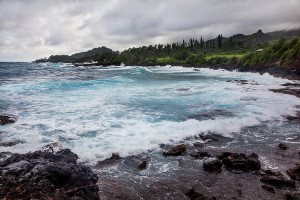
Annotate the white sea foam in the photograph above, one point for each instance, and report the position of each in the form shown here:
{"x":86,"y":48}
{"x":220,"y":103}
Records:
{"x":126,"y":115}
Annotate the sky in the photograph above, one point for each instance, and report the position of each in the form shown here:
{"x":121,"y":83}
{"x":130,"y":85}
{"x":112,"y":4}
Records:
{"x":31,"y":29}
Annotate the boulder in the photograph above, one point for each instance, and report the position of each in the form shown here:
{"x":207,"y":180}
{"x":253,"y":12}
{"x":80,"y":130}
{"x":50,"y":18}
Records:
{"x":276,"y":179}
{"x":45,"y":175}
{"x":6,"y":120}
{"x":294,"y":173}
{"x":240,"y":161}
{"x":176,"y":151}
{"x":213,"y":165}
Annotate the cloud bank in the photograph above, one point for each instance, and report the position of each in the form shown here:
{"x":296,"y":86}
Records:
{"x":31,"y":29}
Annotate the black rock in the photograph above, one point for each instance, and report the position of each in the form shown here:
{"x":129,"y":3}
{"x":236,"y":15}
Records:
{"x":282,"y":146}
{"x":200,"y":154}
{"x":194,"y":195}
{"x":198,"y":144}
{"x":268,"y":188}
{"x":213,"y":165}
{"x":115,"y":156}
{"x":176,"y":151}
{"x":143,"y":165}
{"x":294,"y":173}
{"x":44,"y":175}
{"x":276,"y":179}
{"x":240,"y":162}
{"x":6,"y":120}
{"x":292,"y":196}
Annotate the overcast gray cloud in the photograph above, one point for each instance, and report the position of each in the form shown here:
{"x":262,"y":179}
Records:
{"x":31,"y":29}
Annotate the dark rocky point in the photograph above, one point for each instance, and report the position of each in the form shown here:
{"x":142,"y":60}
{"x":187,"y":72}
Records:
{"x":276,"y":179}
{"x":213,"y":165}
{"x":240,"y":162}
{"x":194,"y":195}
{"x":282,"y":146}
{"x":294,"y":173}
{"x":6,"y":120}
{"x":176,"y":151}
{"x":44,"y":175}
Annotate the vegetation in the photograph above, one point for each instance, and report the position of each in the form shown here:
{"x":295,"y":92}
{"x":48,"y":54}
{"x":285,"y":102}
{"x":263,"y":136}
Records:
{"x":252,"y":50}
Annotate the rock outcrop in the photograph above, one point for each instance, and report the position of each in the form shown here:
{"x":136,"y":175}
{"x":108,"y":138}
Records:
{"x":45,"y":175}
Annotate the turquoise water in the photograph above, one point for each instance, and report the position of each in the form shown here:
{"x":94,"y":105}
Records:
{"x":97,"y":111}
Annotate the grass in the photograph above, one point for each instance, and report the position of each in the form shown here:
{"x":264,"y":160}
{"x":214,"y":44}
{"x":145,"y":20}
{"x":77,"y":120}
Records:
{"x":164,"y":60}
{"x":224,"y":55}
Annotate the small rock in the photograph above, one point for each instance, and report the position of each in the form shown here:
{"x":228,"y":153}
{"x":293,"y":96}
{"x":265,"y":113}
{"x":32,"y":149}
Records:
{"x":115,"y":156}
{"x":213,"y":165}
{"x":268,"y":188}
{"x":294,"y":173}
{"x":194,"y":195}
{"x":200,"y":154}
{"x":143,"y":165}
{"x":282,"y":146}
{"x":276,"y":179}
{"x":241,"y":162}
{"x":6,"y":120}
{"x":176,"y":151}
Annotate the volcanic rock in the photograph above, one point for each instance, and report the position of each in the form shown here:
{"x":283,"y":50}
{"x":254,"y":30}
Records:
{"x":276,"y":179}
{"x":282,"y":146}
{"x":213,"y":165}
{"x":143,"y":165}
{"x":200,"y":154}
{"x":294,"y":173}
{"x":176,"y":151}
{"x":240,"y":162}
{"x":6,"y":120}
{"x":45,"y":175}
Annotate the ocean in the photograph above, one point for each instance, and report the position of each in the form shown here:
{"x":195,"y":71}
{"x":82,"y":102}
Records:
{"x":96,"y":111}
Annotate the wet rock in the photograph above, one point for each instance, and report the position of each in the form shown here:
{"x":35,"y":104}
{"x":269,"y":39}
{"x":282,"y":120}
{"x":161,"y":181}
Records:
{"x":282,"y":146}
{"x":6,"y":120}
{"x":110,"y":161}
{"x":143,"y":165}
{"x":52,"y":147}
{"x":115,"y":156}
{"x":176,"y":151}
{"x":240,"y":162}
{"x":292,"y":196}
{"x":200,"y":154}
{"x":291,"y":118}
{"x":10,"y":144}
{"x":44,"y":175}
{"x":294,"y":173}
{"x":194,"y":195}
{"x":213,"y":165}
{"x":199,"y":145}
{"x":209,"y":137}
{"x":241,"y":82}
{"x":276,"y":179}
{"x":268,"y":188}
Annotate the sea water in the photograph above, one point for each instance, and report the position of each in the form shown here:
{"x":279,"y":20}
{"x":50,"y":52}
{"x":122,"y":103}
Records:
{"x":96,"y":111}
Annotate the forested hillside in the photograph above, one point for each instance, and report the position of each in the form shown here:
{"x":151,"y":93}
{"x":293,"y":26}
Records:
{"x":257,"y":49}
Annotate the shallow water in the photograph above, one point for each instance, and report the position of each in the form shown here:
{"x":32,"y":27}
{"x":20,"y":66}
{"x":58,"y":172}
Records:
{"x":97,"y":111}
